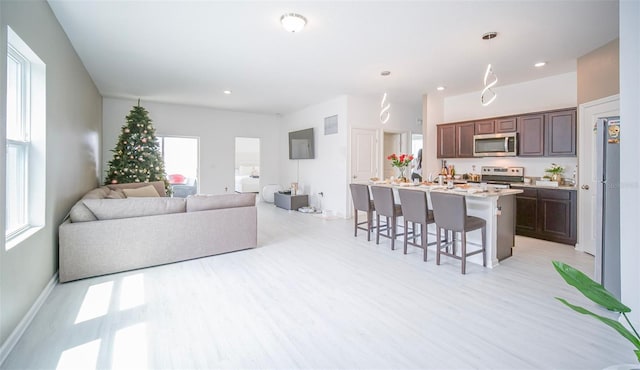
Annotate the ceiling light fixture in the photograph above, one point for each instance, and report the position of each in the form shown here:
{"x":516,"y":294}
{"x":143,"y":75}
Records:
{"x":440,"y":88}
{"x":227,"y":92}
{"x":487,"y":96}
{"x":293,"y":22}
{"x":384,"y":104}
{"x":540,"y":64}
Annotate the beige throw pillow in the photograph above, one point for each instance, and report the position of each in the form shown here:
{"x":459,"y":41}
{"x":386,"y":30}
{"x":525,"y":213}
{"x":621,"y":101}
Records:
{"x":145,"y":191}
{"x":115,"y":194}
{"x":159,"y":185}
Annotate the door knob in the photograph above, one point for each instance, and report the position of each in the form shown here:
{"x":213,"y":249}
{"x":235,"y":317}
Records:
{"x":585,"y":187}
{"x":355,"y":176}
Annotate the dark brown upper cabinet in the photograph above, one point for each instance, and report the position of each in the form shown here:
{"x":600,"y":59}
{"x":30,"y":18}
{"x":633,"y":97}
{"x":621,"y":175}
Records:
{"x":560,"y":134}
{"x":507,"y":124}
{"x":540,"y":134}
{"x":446,"y":141}
{"x":531,"y":135}
{"x":464,"y":136}
{"x":485,"y":127}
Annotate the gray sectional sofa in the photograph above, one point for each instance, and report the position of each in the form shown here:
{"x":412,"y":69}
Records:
{"x":107,"y":232}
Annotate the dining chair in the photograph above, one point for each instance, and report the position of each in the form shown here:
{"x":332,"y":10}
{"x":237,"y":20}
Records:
{"x":415,"y":210}
{"x":450,"y":213}
{"x":385,"y":204}
{"x":362,"y":202}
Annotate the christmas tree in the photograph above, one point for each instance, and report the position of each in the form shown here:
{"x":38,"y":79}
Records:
{"x":137,"y":157}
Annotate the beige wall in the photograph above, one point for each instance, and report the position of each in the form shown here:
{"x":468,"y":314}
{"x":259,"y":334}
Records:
{"x":599,"y":73}
{"x":73,"y":125}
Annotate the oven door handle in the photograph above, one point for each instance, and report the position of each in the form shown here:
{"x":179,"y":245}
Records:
{"x":506,"y":144}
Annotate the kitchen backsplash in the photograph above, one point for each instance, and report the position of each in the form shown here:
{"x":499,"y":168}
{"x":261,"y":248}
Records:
{"x":533,"y":167}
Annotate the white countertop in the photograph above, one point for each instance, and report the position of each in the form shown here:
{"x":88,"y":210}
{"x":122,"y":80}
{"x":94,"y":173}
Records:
{"x":470,"y":192}
{"x":532,"y":185}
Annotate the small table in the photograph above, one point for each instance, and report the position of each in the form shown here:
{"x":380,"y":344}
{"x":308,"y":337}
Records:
{"x":288,"y":201}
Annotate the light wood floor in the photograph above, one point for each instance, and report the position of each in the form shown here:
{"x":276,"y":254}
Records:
{"x":313,"y":296}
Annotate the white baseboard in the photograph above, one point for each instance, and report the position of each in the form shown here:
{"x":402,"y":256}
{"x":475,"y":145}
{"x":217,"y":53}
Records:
{"x":13,"y":339}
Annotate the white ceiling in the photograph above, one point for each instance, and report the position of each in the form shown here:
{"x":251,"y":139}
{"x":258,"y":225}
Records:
{"x":188,"y":52}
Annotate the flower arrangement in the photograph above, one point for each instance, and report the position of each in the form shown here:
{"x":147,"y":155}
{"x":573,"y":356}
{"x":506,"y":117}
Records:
{"x":400,"y":161}
{"x":555,"y":169}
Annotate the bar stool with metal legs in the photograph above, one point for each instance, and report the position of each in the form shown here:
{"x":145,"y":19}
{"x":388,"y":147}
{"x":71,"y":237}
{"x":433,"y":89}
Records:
{"x":362,"y":202}
{"x":384,"y":202}
{"x":450,"y":213}
{"x":415,"y":209}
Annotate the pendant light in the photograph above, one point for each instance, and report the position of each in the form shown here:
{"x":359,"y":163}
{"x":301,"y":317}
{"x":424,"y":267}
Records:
{"x":384,"y":103}
{"x":487,"y":96}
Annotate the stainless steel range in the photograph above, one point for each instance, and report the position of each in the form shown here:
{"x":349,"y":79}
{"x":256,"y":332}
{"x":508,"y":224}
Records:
{"x":502,"y":175}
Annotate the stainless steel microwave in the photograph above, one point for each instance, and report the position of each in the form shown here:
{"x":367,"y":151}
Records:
{"x":495,"y":145}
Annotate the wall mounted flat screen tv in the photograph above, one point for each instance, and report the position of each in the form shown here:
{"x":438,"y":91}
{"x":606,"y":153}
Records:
{"x":301,"y":144}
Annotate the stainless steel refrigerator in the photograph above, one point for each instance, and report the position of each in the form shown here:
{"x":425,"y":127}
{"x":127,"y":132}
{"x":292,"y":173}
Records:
{"x":607,"y":268}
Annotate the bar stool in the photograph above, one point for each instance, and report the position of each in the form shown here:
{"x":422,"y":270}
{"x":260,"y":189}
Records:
{"x":362,"y":202}
{"x":415,"y":209}
{"x":450,"y":213}
{"x":386,"y":206}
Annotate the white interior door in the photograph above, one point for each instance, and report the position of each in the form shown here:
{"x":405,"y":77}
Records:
{"x":588,"y":113}
{"x":363,"y":154}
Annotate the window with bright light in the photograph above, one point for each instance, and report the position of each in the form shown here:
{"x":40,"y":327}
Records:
{"x":180,"y":155}
{"x":17,"y":141}
{"x":25,"y":133}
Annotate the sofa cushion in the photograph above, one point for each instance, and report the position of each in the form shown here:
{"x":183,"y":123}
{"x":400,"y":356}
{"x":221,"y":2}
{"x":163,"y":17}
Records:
{"x":145,"y":191}
{"x":159,"y":185}
{"x":80,"y":213}
{"x":97,"y":193}
{"x":109,"y":209}
{"x":206,"y":202}
{"x":116,"y":194}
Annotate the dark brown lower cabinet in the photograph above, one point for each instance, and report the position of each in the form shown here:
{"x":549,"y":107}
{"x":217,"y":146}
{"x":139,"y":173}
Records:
{"x":548,"y":214}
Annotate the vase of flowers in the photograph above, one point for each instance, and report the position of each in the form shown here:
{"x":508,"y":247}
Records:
{"x":555,"y":172}
{"x":401,"y":162}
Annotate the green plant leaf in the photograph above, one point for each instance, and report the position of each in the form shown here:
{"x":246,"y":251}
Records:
{"x":592,"y":290}
{"x":611,"y":323}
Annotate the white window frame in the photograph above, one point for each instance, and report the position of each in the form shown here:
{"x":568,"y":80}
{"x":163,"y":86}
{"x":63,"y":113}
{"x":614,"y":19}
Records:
{"x":29,"y":142}
{"x":21,"y":143}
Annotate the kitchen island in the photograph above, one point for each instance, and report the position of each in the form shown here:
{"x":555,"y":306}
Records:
{"x":497,"y":207}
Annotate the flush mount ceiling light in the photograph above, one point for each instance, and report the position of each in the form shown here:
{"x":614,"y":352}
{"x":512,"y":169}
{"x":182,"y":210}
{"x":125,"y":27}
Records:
{"x":227,"y":92}
{"x":440,"y":88}
{"x":293,"y":22}
{"x":384,"y":104}
{"x":540,"y":64}
{"x":487,"y":96}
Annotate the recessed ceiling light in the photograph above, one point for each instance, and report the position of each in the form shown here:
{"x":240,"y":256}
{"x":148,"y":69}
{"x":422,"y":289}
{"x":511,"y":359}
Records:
{"x":440,"y":88}
{"x":293,"y":22}
{"x":540,"y":64}
{"x":227,"y":92}
{"x":385,"y":73}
